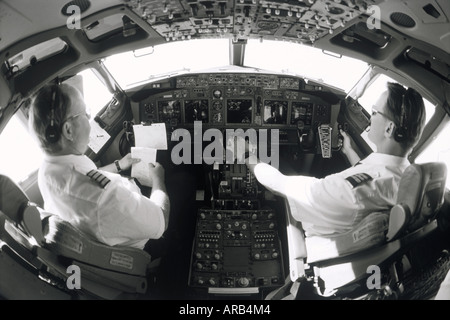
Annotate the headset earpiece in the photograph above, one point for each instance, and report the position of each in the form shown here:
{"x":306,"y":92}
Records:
{"x":400,"y":133}
{"x":53,"y":131}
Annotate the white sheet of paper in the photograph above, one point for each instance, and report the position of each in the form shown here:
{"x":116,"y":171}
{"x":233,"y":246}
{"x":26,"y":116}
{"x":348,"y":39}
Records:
{"x":153,"y":136}
{"x":98,"y":137}
{"x":140,"y":170}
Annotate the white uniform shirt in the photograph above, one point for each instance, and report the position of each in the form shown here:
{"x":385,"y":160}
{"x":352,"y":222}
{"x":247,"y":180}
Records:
{"x":333,"y":204}
{"x":117,"y":214}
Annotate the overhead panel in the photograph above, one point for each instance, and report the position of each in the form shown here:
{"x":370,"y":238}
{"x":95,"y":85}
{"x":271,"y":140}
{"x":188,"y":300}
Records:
{"x":303,"y":21}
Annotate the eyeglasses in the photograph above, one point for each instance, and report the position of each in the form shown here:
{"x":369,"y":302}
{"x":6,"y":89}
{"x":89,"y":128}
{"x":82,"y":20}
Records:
{"x":375,"y":111}
{"x":77,"y":115}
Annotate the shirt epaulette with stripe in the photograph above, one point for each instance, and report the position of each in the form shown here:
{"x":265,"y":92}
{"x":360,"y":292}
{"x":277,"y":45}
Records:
{"x":99,"y":178}
{"x":358,"y":179}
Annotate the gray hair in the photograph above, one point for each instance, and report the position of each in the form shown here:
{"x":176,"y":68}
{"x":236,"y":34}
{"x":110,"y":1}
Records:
{"x":40,"y":114}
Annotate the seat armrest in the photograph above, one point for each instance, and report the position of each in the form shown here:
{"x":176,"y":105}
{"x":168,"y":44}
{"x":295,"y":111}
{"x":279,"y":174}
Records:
{"x":368,"y":233}
{"x":296,"y":245}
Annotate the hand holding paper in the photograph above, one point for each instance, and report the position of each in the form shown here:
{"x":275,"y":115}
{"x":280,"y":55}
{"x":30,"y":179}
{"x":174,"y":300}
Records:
{"x":148,"y":140}
{"x":140,"y":170}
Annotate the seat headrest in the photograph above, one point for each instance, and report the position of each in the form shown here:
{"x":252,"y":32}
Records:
{"x":13,"y":199}
{"x":422,"y":189}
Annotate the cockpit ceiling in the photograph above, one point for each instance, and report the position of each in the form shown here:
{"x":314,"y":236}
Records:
{"x":302,"y":21}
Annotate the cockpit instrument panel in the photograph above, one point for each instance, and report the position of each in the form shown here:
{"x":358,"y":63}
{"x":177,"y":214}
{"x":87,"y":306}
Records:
{"x":196,"y":110}
{"x":236,"y":100}
{"x":237,"y":245}
{"x":275,"y":112}
{"x":239,"y":111}
{"x":169,"y":112}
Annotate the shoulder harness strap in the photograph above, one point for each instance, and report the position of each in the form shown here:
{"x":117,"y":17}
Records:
{"x":99,"y":178}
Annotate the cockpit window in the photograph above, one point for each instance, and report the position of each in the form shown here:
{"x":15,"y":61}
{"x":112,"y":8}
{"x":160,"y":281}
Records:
{"x":24,"y":154}
{"x":96,"y":95}
{"x":132,"y":68}
{"x":338,"y":71}
{"x":438,"y":150}
{"x":379,"y":85}
{"x":15,"y":139}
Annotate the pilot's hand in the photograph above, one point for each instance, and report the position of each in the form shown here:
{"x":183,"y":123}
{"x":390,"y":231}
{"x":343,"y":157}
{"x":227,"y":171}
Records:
{"x":347,"y":148}
{"x":153,"y":176}
{"x":347,"y":143}
{"x":156,"y":171}
{"x":126,"y":162}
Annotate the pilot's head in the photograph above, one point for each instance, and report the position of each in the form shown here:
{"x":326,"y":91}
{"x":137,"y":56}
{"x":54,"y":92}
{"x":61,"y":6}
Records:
{"x":397,"y":121}
{"x":59,"y":120}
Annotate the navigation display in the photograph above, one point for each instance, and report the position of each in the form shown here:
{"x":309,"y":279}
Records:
{"x":275,"y":112}
{"x":302,"y":111}
{"x":196,"y":110}
{"x":239,"y":111}
{"x":169,"y":111}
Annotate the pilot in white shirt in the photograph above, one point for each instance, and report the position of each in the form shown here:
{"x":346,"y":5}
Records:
{"x":100,"y":202}
{"x":337,"y":203}
{"x":105,"y":205}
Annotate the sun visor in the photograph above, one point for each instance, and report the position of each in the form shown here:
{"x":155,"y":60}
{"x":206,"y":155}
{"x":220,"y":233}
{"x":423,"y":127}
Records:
{"x":430,"y":62}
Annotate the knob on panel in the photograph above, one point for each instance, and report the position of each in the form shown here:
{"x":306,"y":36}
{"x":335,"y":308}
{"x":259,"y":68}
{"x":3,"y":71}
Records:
{"x":243,"y":282}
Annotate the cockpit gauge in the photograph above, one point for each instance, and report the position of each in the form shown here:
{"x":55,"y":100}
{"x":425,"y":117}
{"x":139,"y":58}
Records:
{"x":217,"y":105}
{"x":217,"y":94}
{"x":217,"y":118}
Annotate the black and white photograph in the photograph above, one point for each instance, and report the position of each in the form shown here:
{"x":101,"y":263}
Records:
{"x":225,"y":158}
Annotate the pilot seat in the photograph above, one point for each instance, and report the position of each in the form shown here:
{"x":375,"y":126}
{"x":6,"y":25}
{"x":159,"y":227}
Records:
{"x":42,"y":258}
{"x":372,"y":260}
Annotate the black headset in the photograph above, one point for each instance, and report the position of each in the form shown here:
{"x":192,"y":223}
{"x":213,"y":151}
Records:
{"x":53,"y":130}
{"x":401,"y":132}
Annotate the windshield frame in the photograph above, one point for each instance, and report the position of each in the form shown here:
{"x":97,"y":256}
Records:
{"x":131,"y":70}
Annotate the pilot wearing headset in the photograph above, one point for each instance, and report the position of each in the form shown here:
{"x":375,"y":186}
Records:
{"x":338,"y":202}
{"x":99,"y":201}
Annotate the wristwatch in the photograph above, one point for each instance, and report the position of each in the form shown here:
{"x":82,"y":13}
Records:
{"x":119,"y":169}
